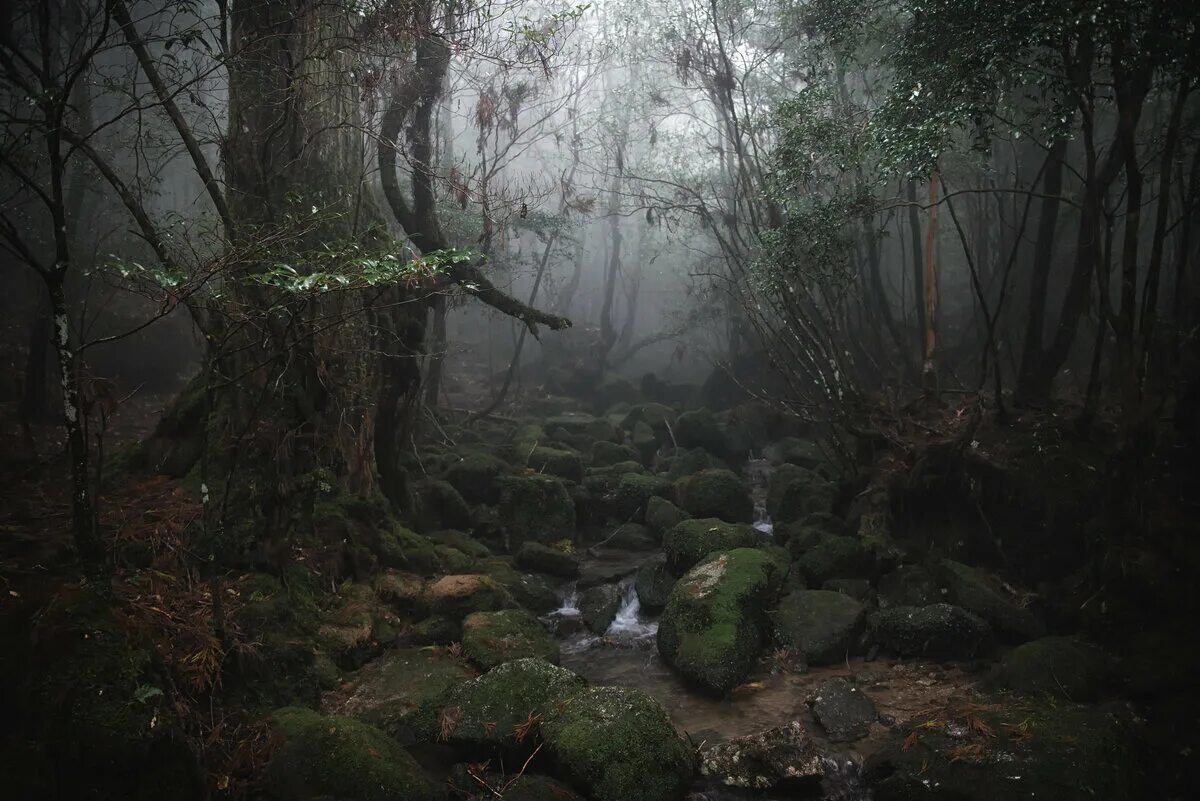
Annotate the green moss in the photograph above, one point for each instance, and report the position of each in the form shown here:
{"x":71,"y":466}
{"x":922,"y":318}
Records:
{"x":488,"y":709}
{"x":617,"y":744}
{"x":537,"y":508}
{"x":662,"y":515}
{"x":457,"y":596}
{"x":794,"y":492}
{"x":653,"y":584}
{"x":462,"y":542}
{"x":605,"y":453}
{"x":635,"y":490}
{"x":715,"y":626}
{"x":687,"y":461}
{"x":700,"y":429}
{"x":655,"y":415}
{"x":1057,"y":667}
{"x":557,"y":462}
{"x":831,"y":557}
{"x":491,"y":638}
{"x":972,"y":590}
{"x":440,"y":506}
{"x":474,"y":476}
{"x":716,"y":493}
{"x":398,"y":547}
{"x":689,"y":541}
{"x":820,"y":626}
{"x":617,"y":469}
{"x":340,"y":757}
{"x":530,"y":591}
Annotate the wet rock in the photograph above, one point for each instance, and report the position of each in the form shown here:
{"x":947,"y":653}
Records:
{"x":700,"y":429}
{"x":402,"y":692}
{"x":455,"y":597}
{"x":908,"y":585}
{"x":491,"y":638}
{"x":688,"y":542}
{"x":537,"y":508}
{"x":716,"y":493}
{"x":440,"y":506}
{"x":794,"y":492}
{"x":474,"y":476}
{"x":634,"y":493}
{"x":653,"y":584}
{"x":715,"y":624}
{"x":784,"y":757}
{"x":1057,"y":667}
{"x":1051,"y":753}
{"x":339,"y":757}
{"x":556,"y":462}
{"x":615,"y":470}
{"x":528,"y":590}
{"x":595,"y":572}
{"x":545,"y":559}
{"x":617,"y":744}
{"x":844,"y":711}
{"x":971,"y":589}
{"x":606,"y":453}
{"x":830,"y":557}
{"x":598,"y":606}
{"x":488,"y":711}
{"x":661,"y":514}
{"x":937,"y":630}
{"x":631,"y":537}
{"x":821,"y":626}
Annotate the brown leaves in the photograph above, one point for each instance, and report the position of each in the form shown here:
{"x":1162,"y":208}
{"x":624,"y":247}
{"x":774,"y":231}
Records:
{"x":967,"y":753}
{"x":522,"y":730}
{"x":447,"y":721}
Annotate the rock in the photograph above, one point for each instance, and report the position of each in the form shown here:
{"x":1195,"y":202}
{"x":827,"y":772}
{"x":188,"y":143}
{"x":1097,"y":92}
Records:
{"x":455,"y":597}
{"x":653,"y":584}
{"x":688,"y":542}
{"x":1047,"y":753}
{"x":635,"y":490}
{"x":645,"y":441}
{"x":491,"y":638}
{"x":820,"y":625}
{"x":844,"y":711}
{"x":487,"y":711}
{"x":700,"y":429}
{"x":716,"y":493}
{"x":793,"y":492}
{"x":594,"y":428}
{"x":971,"y":589}
{"x":908,"y":585}
{"x":339,"y":757}
{"x":528,"y":590}
{"x":401,"y":591}
{"x":595,"y":572}
{"x":401,"y":549}
{"x":617,"y":744}
{"x":715,"y":623}
{"x":1057,"y":667}
{"x":661,"y":514}
{"x":858,"y":589}
{"x":615,"y":470}
{"x":687,"y":461}
{"x":656,"y":416}
{"x":782,"y":757}
{"x":833,"y":557}
{"x":598,"y":606}
{"x":474,"y":476}
{"x":435,"y":630}
{"x":460,"y":541}
{"x":606,"y":453}
{"x":402,"y":692}
{"x":937,"y":630}
{"x":441,"y":506}
{"x":537,"y":508}
{"x":556,"y":462}
{"x":545,"y":559}
{"x":631,"y":537}
{"x":804,"y":453}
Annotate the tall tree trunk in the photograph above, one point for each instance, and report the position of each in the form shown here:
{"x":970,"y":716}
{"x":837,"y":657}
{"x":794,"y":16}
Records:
{"x":929,"y":279}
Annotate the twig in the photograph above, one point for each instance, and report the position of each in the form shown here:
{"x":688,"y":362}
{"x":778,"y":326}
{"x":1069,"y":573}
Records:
{"x":674,"y":441}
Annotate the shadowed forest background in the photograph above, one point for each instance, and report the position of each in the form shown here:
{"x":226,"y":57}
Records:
{"x":625,"y":400}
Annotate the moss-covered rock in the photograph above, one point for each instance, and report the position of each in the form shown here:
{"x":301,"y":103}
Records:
{"x":820,"y":626}
{"x":700,"y":429}
{"x":487,"y":711}
{"x":832,"y":557}
{"x":687,"y":461}
{"x":715,"y":624}
{"x":474,"y":476}
{"x":402,"y":692}
{"x":794,"y":492}
{"x":937,"y":630}
{"x":635,"y":491}
{"x":454,"y":597}
{"x":653,"y":584}
{"x":908,"y":585}
{"x":843,"y":710}
{"x":657,"y":416}
{"x":585,"y":425}
{"x":661,"y":514}
{"x":631,"y":537}
{"x":645,"y":441}
{"x":460,"y":541}
{"x":529,"y":590}
{"x":557,"y":462}
{"x":547,"y":559}
{"x":536,"y":508}
{"x":617,"y":744}
{"x":402,"y":549}
{"x":339,"y":757}
{"x":401,"y":591}
{"x":972,"y":590}
{"x":716,"y":493}
{"x":357,"y":626}
{"x":598,"y":606}
{"x":606,"y":453}
{"x":688,"y":542}
{"x":806,"y":453}
{"x":1065,"y":668}
{"x":440,"y":506}
{"x":492,"y":638}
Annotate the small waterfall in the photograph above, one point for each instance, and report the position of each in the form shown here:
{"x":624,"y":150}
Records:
{"x":626,"y":627}
{"x":758,"y":473}
{"x":569,"y":595}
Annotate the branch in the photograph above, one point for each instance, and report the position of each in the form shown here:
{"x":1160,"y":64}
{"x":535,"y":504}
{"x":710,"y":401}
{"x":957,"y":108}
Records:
{"x":472,"y":280}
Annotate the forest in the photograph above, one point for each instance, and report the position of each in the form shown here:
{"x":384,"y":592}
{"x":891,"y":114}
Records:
{"x":625,"y":400}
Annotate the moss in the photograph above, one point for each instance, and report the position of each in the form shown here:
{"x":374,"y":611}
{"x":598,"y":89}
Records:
{"x":700,"y":429}
{"x":653,"y":584}
{"x":358,"y":626}
{"x":716,"y":493}
{"x":403,"y":692}
{"x":634,"y":491}
{"x":605,"y":453}
{"x":794,"y":492}
{"x":687,"y":461}
{"x":557,"y":462}
{"x":688,"y":542}
{"x":462,"y":542}
{"x":593,"y":428}
{"x":537,"y":508}
{"x":402,"y":549}
{"x":474,"y":476}
{"x":714,"y":626}
{"x":530,"y":591}
{"x":487,"y":710}
{"x":617,"y":469}
{"x":440,"y":506}
{"x":452,"y":560}
{"x":1065,"y":668}
{"x":831,"y":557}
{"x":546,"y":559}
{"x":617,"y":744}
{"x":340,"y":757}
{"x":661,"y":514}
{"x":937,"y":630}
{"x":971,"y":589}
{"x":645,"y":441}
{"x":457,"y":596}
{"x":820,"y":626}
{"x":491,"y":638}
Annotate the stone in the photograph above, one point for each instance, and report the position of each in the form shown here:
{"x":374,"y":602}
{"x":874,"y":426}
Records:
{"x":1065,"y":668}
{"x":782,"y":757}
{"x":487,"y":711}
{"x":537,"y":508}
{"x":455,"y":597}
{"x":700,"y":429}
{"x":634,"y":492}
{"x":631,"y":537}
{"x":821,"y":626}
{"x":794,"y":492}
{"x":844,"y":711}
{"x":688,"y":542}
{"x":834,"y":557}
{"x":937,"y":630}
{"x":491,"y":638}
{"x":474,"y":476}
{"x":661,"y":514}
{"x":606,"y":453}
{"x":972,"y":590}
{"x":716,"y":493}
{"x":908,"y":585}
{"x":653,"y":584}
{"x":546,"y":559}
{"x":440,"y":506}
{"x":556,"y":462}
{"x":598,"y":606}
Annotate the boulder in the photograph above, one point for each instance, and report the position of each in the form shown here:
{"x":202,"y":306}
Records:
{"x":656,"y":416}
{"x":1064,"y":668}
{"x":844,"y":711}
{"x":593,"y":428}
{"x":645,"y":441}
{"x":401,"y":591}
{"x":556,"y":462}
{"x":487,"y":711}
{"x":972,"y":590}
{"x":661,"y":514}
{"x":820,"y":626}
{"x":780,"y":758}
{"x":634,"y":492}
{"x":716,"y":493}
{"x":546,"y":559}
{"x":687,"y":461}
{"x":700,"y":429}
{"x":606,"y":453}
{"x":492,"y":638}
{"x":794,"y":492}
{"x":937,"y":630}
{"x":715,"y":624}
{"x":617,"y":744}
{"x":537,"y":508}
{"x":831,"y":556}
{"x":440,"y":506}
{"x":688,"y":542}
{"x":908,"y":585}
{"x":653,"y":584}
{"x":474,"y":476}
{"x":339,"y":757}
{"x":460,"y":541}
{"x":455,"y":597}
{"x":598,"y":606}
{"x":529,"y":590}
{"x":804,"y":453}
{"x":858,"y":589}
